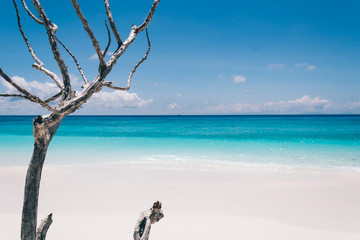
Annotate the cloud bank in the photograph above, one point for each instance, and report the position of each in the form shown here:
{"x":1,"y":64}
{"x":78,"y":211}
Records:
{"x":117,"y":99}
{"x":99,"y":101}
{"x":305,"y":104}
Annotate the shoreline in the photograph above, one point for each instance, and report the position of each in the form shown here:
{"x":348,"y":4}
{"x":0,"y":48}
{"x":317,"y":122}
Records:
{"x":211,"y":166}
{"x":108,"y":198}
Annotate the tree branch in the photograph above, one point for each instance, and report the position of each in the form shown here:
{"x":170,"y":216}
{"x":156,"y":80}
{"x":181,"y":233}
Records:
{"x":90,"y":33}
{"x":109,"y":84}
{"x":30,"y":13}
{"x":51,"y":29}
{"x":27,"y":95}
{"x":39,"y":65}
{"x":109,"y":41}
{"x":148,"y":217}
{"x":149,"y":17}
{"x":53,"y":97}
{"x":15,"y":95}
{"x":52,"y":75}
{"x":112,"y":23}
{"x":133,"y":33}
{"x":43,"y":228}
{"x":76,"y":62}
{"x":25,"y":38}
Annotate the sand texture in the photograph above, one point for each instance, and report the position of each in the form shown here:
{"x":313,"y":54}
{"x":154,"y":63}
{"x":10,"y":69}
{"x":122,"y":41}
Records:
{"x":104,"y":201}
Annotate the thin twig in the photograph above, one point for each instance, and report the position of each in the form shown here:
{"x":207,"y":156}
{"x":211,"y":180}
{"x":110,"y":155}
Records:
{"x":149,"y":17}
{"x":109,"y":84}
{"x":15,"y":95}
{"x":109,"y":41}
{"x":89,"y":32}
{"x":75,"y":60}
{"x":40,"y":64}
{"x":30,"y":13}
{"x":53,"y":97}
{"x":26,"y":94}
{"x":51,"y":29}
{"x":112,"y":23}
{"x":25,"y":38}
{"x":49,"y":73}
{"x":133,"y":33}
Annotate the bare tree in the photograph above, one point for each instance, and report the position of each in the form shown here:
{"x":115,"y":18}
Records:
{"x":67,"y":101}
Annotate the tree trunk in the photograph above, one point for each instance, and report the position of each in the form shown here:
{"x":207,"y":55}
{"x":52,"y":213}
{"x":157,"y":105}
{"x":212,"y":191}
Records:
{"x":43,"y":129}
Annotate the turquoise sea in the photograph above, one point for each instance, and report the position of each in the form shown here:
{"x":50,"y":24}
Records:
{"x":278,"y":141}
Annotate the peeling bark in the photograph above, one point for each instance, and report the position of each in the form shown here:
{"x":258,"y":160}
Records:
{"x":43,"y":130}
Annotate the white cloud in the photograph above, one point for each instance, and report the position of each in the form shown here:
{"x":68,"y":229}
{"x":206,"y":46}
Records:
{"x":238,"y":108}
{"x":75,"y":80}
{"x":179,"y":95}
{"x":117,"y":99}
{"x":95,"y":56}
{"x":15,"y":105}
{"x":276,"y":65}
{"x":221,"y":76}
{"x":301,"y":64}
{"x":302,"y":105}
{"x":18,"y":106}
{"x":238,"y":78}
{"x":311,"y":67}
{"x":306,"y":99}
{"x":353,"y":107}
{"x":249,"y":91}
{"x":305,"y":104}
{"x":39,"y":89}
{"x":307,"y":65}
{"x":173,"y":106}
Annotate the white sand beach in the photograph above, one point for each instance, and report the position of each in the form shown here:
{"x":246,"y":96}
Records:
{"x":104,"y":201}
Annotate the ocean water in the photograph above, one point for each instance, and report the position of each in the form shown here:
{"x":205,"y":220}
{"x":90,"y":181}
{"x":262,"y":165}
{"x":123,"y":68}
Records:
{"x":273,"y":142}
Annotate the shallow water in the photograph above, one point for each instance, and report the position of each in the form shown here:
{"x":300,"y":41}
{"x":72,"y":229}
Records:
{"x":281,"y":141}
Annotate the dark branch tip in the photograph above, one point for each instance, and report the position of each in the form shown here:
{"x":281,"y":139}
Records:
{"x":39,"y":120}
{"x":157,"y":205}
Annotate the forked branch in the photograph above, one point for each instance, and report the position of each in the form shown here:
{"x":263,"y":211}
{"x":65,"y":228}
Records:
{"x":38,"y":65}
{"x":75,"y":60}
{"x":133,"y":33}
{"x":149,"y":17}
{"x":25,"y":94}
{"x":30,"y":13}
{"x":128,"y":85}
{"x":51,"y":29}
{"x":112,"y":23}
{"x":46,"y":126}
{"x":89,"y":32}
{"x":109,"y":41}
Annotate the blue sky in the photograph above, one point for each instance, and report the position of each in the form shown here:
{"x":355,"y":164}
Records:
{"x":207,"y":57}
